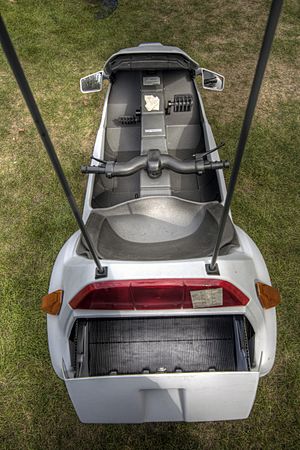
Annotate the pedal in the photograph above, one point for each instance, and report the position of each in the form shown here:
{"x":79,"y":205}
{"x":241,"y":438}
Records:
{"x":181,"y":103}
{"x":128,"y":120}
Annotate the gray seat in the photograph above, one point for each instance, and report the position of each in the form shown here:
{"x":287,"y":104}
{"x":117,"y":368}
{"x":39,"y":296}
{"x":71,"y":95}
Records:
{"x":157,"y":228}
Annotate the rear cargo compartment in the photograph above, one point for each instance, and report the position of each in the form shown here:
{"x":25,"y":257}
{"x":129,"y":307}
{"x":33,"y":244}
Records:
{"x":172,"y":344}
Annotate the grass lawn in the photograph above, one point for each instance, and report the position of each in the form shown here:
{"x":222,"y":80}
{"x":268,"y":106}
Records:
{"x":60,"y":41}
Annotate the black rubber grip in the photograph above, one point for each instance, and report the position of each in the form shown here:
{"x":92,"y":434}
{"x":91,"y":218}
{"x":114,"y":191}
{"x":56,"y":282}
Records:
{"x":92,"y":169}
{"x":215,"y":165}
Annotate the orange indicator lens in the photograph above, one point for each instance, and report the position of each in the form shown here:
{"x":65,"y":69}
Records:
{"x":51,"y":303}
{"x":268,"y":295}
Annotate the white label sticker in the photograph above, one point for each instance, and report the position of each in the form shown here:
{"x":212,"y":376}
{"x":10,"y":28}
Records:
{"x":207,"y":298}
{"x":154,"y":130}
{"x":151,"y":81}
{"x":151,"y":103}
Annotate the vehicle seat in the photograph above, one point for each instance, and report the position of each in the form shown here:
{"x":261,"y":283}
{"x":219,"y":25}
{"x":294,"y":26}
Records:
{"x":156,"y":229}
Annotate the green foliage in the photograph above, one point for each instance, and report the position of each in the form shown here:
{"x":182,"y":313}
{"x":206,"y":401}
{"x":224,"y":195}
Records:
{"x":60,"y":41}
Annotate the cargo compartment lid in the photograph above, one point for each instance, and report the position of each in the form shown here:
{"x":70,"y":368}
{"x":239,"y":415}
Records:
{"x":189,"y":397}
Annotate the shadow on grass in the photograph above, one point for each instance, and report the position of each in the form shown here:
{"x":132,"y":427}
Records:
{"x":103,"y":8}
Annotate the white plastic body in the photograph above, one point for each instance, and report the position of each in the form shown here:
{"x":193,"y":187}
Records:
{"x":162,"y":397}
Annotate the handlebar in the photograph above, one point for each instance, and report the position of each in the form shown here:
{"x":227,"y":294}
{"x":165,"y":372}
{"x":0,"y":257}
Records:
{"x":154,"y":162}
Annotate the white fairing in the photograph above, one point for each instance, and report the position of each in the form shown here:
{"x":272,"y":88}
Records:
{"x":162,"y":397}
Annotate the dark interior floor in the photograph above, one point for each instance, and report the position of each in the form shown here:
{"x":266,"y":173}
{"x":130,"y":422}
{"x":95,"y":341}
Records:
{"x":184,"y":137}
{"x":189,"y":187}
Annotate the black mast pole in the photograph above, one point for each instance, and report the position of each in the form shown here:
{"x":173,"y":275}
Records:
{"x":256,"y":84}
{"x":37,"y":118}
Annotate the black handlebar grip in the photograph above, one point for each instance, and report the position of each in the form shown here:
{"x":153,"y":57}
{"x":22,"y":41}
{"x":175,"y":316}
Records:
{"x":215,"y":165}
{"x":92,"y":169}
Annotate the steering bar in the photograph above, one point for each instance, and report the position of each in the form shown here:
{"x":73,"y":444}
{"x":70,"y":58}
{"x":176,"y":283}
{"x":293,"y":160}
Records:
{"x":154,"y":162}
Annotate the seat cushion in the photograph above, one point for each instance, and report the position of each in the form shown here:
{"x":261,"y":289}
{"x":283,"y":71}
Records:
{"x":158,"y":228}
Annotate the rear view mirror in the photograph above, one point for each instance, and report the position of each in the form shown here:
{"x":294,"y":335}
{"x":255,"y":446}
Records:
{"x":91,"y":83}
{"x":212,"y":80}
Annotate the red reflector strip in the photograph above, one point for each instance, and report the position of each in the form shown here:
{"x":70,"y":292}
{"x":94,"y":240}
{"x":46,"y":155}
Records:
{"x":152,"y":294}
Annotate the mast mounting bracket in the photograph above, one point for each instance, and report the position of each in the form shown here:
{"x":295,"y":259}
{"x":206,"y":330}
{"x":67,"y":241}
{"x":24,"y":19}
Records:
{"x":102,"y":274}
{"x":212,"y":270}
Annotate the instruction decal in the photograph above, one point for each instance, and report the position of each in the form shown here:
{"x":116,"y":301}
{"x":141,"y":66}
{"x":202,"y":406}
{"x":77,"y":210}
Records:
{"x":207,"y":298}
{"x":151,"y":102}
{"x":151,"y":81}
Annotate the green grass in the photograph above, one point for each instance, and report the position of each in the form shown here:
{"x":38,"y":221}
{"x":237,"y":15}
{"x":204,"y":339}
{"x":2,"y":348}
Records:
{"x":60,"y":41}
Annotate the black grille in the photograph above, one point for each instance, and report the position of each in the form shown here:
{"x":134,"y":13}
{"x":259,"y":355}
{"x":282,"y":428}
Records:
{"x":159,"y":344}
